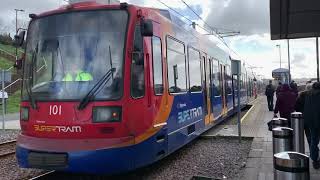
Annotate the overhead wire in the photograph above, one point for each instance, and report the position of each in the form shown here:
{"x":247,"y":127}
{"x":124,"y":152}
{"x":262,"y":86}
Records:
{"x":213,"y":29}
{"x":210,"y":32}
{"x":174,"y":11}
{"x":181,"y":15}
{"x":228,"y":31}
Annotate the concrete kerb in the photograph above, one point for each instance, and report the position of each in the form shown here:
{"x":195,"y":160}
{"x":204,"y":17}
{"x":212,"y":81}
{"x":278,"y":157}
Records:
{"x":224,"y":137}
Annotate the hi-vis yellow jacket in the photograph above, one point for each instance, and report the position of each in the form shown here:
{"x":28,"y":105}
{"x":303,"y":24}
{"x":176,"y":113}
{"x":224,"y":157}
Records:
{"x":80,"y":76}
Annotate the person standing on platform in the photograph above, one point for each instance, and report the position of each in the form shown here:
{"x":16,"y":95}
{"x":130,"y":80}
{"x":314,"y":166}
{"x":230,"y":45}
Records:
{"x":270,"y":93}
{"x":294,"y":88}
{"x":285,"y":103}
{"x":312,"y":120}
{"x":278,"y":89}
{"x":299,"y":107}
{"x":255,"y":90}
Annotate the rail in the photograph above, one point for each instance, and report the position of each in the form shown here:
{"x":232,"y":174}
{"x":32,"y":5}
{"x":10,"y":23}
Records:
{"x":6,"y":144}
{"x":42,"y":175}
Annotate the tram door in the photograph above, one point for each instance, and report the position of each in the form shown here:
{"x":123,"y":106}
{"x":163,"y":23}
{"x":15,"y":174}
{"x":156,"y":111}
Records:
{"x":148,"y":92}
{"x":223,"y":86}
{"x":205,"y":78}
{"x":235,"y":90}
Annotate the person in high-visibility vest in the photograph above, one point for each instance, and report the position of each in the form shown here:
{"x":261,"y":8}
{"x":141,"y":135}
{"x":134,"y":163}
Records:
{"x":77,"y":75}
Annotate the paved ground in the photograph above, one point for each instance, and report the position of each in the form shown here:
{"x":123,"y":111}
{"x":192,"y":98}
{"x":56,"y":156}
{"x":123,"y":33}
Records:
{"x":11,"y":121}
{"x":259,"y":164}
{"x":12,"y":117}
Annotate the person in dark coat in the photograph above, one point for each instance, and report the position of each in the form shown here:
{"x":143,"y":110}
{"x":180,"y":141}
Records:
{"x":294,"y":88}
{"x":278,"y":89}
{"x":299,"y":107}
{"x":312,"y":120}
{"x":285,"y":103}
{"x":270,"y":93}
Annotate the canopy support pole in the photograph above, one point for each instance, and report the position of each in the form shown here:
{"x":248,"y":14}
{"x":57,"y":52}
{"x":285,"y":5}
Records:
{"x":317,"y":47}
{"x":289,"y":67}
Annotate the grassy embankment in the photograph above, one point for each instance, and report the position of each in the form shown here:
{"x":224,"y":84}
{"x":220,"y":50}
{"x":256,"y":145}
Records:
{"x":13,"y":103}
{"x":11,"y":49}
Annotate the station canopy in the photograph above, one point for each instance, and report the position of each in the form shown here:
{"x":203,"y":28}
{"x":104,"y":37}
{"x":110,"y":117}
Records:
{"x":281,"y":74}
{"x":291,"y":19}
{"x":280,"y":70}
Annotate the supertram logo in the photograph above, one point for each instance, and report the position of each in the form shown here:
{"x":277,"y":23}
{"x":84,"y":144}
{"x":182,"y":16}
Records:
{"x":64,"y":129}
{"x":189,"y":114}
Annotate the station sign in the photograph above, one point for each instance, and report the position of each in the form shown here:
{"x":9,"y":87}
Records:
{"x":7,"y":76}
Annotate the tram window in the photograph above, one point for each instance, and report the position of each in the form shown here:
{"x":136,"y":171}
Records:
{"x":243,"y":83}
{"x":228,"y":80}
{"x":215,"y":77}
{"x":176,"y":66}
{"x":157,"y":65}
{"x":194,"y":70}
{"x":137,"y":66}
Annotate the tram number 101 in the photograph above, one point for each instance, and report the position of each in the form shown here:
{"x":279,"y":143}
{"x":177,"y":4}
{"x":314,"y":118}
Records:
{"x":55,"y":110}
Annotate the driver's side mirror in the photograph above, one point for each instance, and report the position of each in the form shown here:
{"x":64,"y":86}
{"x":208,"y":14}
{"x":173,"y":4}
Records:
{"x":146,"y":28}
{"x":19,"y":39}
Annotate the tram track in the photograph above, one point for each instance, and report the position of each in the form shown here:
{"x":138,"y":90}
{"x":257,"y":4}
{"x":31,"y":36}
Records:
{"x":7,"y":148}
{"x":43,"y":175}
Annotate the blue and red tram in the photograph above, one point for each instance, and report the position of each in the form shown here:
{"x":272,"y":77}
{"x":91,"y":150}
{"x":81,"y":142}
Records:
{"x":111,"y":88}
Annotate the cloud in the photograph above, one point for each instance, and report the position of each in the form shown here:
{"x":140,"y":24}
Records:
{"x":247,"y":16}
{"x":30,"y":6}
{"x":298,"y":59}
{"x":7,"y":13}
{"x":250,"y":17}
{"x":253,"y":45}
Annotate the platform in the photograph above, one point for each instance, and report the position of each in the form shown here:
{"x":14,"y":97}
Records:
{"x":259,"y":165}
{"x":11,"y":121}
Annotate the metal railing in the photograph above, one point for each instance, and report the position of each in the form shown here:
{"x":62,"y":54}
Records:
{"x":11,"y":84}
{"x":7,"y":54}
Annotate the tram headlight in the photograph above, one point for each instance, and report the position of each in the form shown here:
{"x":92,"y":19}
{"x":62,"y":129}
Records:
{"x":24,"y":113}
{"x":106,"y":114}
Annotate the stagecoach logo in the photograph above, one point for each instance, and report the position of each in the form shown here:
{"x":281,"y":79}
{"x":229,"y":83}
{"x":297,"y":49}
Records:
{"x":64,"y":129}
{"x":181,"y":105}
{"x":189,"y":114}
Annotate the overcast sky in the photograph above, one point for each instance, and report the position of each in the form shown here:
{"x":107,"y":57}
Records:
{"x":250,"y":17}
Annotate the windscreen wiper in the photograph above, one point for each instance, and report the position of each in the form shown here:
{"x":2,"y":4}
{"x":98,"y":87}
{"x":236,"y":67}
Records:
{"x":30,"y":79}
{"x":96,"y":88}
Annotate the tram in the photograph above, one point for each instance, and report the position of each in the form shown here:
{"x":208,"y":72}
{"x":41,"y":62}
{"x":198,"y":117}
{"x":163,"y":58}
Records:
{"x":111,"y":88}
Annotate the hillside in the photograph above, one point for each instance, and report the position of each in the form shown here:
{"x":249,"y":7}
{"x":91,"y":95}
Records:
{"x":10,"y":49}
{"x":13,"y":105}
{"x":5,"y":63}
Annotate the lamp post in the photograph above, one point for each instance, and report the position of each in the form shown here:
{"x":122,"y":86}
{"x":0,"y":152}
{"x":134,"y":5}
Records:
{"x":289,"y":60}
{"x":17,"y":10}
{"x":278,"y":45}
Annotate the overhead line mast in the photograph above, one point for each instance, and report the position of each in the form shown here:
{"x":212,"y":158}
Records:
{"x":226,"y":33}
